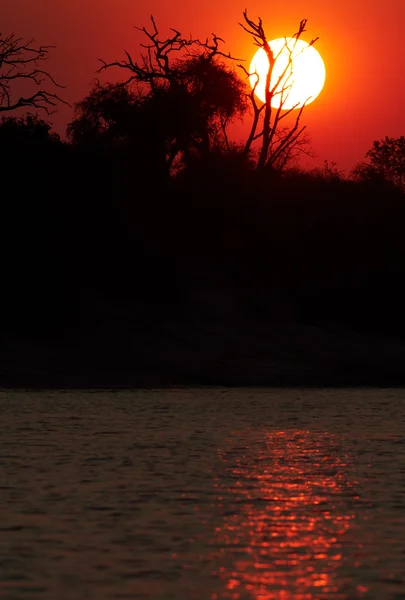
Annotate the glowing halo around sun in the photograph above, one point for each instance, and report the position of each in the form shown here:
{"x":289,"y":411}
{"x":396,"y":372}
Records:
{"x":304,"y":77}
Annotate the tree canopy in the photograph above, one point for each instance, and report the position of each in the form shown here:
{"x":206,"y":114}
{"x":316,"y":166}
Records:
{"x":387,"y":158}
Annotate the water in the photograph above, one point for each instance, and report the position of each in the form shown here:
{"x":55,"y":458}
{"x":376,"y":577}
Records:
{"x":202,"y":494}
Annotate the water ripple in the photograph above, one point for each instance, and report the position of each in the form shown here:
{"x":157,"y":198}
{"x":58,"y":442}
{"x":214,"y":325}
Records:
{"x":202,"y":494}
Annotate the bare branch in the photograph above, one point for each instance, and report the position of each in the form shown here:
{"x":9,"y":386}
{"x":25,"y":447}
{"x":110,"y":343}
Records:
{"x":276,"y":144}
{"x":156,"y":65}
{"x":212,"y":48}
{"x":256,"y":111}
{"x":20,"y":60}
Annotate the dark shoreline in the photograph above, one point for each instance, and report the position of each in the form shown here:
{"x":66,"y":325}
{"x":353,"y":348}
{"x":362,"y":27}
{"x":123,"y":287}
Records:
{"x":208,"y":355}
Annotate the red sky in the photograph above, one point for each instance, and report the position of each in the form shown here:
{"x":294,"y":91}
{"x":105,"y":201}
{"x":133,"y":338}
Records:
{"x":361,"y":42}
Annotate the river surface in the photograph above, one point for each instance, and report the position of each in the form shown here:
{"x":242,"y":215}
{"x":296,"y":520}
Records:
{"x":202,"y":494}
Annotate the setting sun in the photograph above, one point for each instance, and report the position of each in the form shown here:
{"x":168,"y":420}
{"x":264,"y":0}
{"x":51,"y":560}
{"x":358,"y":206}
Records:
{"x":298,"y":66}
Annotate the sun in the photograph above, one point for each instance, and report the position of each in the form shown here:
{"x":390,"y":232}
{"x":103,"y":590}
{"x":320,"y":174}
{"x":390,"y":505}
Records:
{"x":304,"y":75}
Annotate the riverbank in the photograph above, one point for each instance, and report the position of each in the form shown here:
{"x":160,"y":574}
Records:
{"x":226,"y":351}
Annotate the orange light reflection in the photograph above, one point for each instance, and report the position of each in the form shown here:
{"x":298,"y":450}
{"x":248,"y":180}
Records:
{"x":283,"y":540}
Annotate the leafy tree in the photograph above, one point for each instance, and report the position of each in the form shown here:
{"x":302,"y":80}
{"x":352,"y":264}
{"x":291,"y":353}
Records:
{"x":185,"y":87}
{"x":387,"y":159}
{"x":105,"y":116}
{"x":25,"y":130}
{"x":214,"y":96}
{"x":118,"y":123}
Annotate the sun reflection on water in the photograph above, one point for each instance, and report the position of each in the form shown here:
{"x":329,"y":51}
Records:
{"x":283,"y":540}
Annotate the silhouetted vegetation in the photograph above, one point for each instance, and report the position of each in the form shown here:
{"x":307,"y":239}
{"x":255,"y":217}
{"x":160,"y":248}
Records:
{"x":185,"y":94}
{"x":386,"y":162}
{"x":278,"y":144}
{"x":147,"y":206}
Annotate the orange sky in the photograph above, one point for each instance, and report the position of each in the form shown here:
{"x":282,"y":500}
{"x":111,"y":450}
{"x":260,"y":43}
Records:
{"x":361,"y":43}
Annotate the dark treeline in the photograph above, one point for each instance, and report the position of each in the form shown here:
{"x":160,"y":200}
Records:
{"x":94,"y":230}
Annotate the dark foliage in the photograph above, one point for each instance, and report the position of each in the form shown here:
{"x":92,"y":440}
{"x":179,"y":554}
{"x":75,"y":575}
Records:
{"x":186,"y":93}
{"x":89,"y":234}
{"x":386,"y":162}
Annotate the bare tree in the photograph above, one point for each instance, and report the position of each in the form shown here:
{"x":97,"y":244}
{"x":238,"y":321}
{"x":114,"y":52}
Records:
{"x":21,"y":63}
{"x":278,"y":144}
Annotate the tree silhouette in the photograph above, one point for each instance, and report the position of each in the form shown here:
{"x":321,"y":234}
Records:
{"x":20,"y":62}
{"x":387,"y":159}
{"x":105,"y":116}
{"x":187,"y":88}
{"x":277,"y":143}
{"x":26,"y":130}
{"x":215,"y":95}
{"x":117,"y":122}
{"x":385,"y":166}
